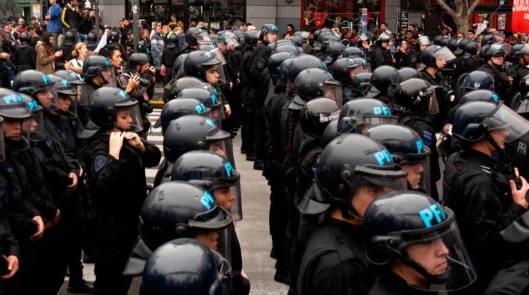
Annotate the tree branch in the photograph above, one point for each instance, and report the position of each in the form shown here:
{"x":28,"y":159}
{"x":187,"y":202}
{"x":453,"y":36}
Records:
{"x":473,"y":6}
{"x":447,"y":8}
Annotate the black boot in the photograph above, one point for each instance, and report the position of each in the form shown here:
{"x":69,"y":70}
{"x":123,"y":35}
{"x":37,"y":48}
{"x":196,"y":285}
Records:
{"x":81,"y":287}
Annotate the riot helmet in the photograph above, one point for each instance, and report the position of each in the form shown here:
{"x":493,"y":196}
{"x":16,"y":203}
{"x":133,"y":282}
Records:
{"x":17,"y":120}
{"x":179,"y":209}
{"x":37,"y":131}
{"x":480,"y":95}
{"x":205,"y":96}
{"x":138,"y":59}
{"x":403,"y":74}
{"x":283,"y":70}
{"x":39,"y":86}
{"x":172,"y":41}
{"x":192,"y":132}
{"x":112,"y":108}
{"x":474,"y":121}
{"x":316,"y":115}
{"x":251,"y":37}
{"x":471,"y":47}
{"x":24,"y":38}
{"x":91,"y":40}
{"x":94,"y":65}
{"x":408,"y":150}
{"x":289,"y":48}
{"x":67,"y":94}
{"x":384,"y":37}
{"x":268,"y":29}
{"x":488,"y":39}
{"x":361,"y":83}
{"x":182,"y":266}
{"x":70,"y":76}
{"x":70,"y":38}
{"x":353,"y":52}
{"x":342,"y":67}
{"x":180,"y":107}
{"x":352,"y":161}
{"x":330,"y":132}
{"x":438,"y":40}
{"x":400,"y":223}
{"x":312,"y":83}
{"x":453,"y":45}
{"x":435,"y":53}
{"x":296,"y":40}
{"x":275,"y":61}
{"x":415,"y":96}
{"x":184,"y":83}
{"x":198,"y":63}
{"x":494,"y":50}
{"x":194,"y":36}
{"x":359,"y":114}
{"x":380,"y":80}
{"x":301,"y":63}
{"x":333,"y":51}
{"x":114,"y":36}
{"x":477,"y":80}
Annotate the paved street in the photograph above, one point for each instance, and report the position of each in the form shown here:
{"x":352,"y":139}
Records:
{"x":252,"y":230}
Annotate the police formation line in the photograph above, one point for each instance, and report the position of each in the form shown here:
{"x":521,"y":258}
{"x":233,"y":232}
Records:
{"x":351,"y":148}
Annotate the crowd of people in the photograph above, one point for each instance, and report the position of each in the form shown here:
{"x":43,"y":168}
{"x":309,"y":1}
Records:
{"x":350,"y":132}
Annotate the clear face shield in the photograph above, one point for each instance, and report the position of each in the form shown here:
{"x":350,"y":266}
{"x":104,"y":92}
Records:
{"x":388,"y":177}
{"x":505,"y":119}
{"x":36,"y":125}
{"x":370,"y":120}
{"x":128,"y":119}
{"x":333,"y":90}
{"x":444,"y":54}
{"x":429,"y":98}
{"x":2,"y":147}
{"x":233,"y":44}
{"x":443,"y":256}
{"x":68,"y":103}
{"x":202,"y":37}
{"x":48,"y":98}
{"x":16,"y":133}
{"x":215,"y":75}
{"x":83,"y":96}
{"x":417,"y":166}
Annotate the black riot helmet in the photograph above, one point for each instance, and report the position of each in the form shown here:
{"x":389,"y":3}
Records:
{"x":415,"y":96}
{"x":317,"y":114}
{"x":24,"y":38}
{"x":142,"y":46}
{"x":289,"y":48}
{"x":91,"y":40}
{"x":494,"y":50}
{"x":473,"y":121}
{"x":342,"y":67}
{"x":205,"y":96}
{"x":63,"y":86}
{"x":172,"y":41}
{"x":434,"y":52}
{"x":480,"y":95}
{"x":70,"y":38}
{"x":312,"y":83}
{"x":477,"y":80}
{"x":445,"y":40}
{"x":453,"y":45}
{"x":333,"y":51}
{"x":399,"y":219}
{"x":438,"y":40}
{"x":31,"y":82}
{"x":361,"y":83}
{"x":180,"y":107}
{"x":197,"y":63}
{"x":328,"y":39}
{"x":404,"y":74}
{"x":351,"y":161}
{"x":463,"y":42}
{"x":179,"y":209}
{"x":182,"y":266}
{"x":268,"y":29}
{"x":384,"y":37}
{"x":361,"y":113}
{"x":106,"y":102}
{"x":404,"y":144}
{"x":524,"y":86}
{"x":515,"y":53}
{"x":275,"y":61}
{"x":189,"y":133}
{"x":114,"y":36}
{"x":70,"y":76}
{"x":301,"y":63}
{"x":184,"y":83}
{"x":138,"y":59}
{"x":13,"y":107}
{"x":205,"y":169}
{"x":283,"y":70}
{"x":251,"y":37}
{"x":488,"y":40}
{"x":94,"y":65}
{"x":471,"y":47}
{"x":194,"y":35}
{"x":380,"y":80}
{"x":330,"y":132}
{"x":296,"y":40}
{"x":353,"y":52}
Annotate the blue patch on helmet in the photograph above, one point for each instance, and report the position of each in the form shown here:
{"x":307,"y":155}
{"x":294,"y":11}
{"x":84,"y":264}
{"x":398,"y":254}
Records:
{"x":207,"y":200}
{"x":385,"y":111}
{"x":275,"y":28}
{"x":13,"y":98}
{"x":496,"y":97}
{"x":201,"y":108}
{"x":46,"y":79}
{"x":432,"y":215}
{"x":33,"y":105}
{"x":210,"y":122}
{"x":208,"y":54}
{"x":123,"y":93}
{"x":324,"y":65}
{"x":66,"y":83}
{"x":107,"y":63}
{"x":383,"y":157}
{"x":330,"y":75}
{"x":214,"y":98}
{"x":229,"y":169}
{"x":420,"y":145}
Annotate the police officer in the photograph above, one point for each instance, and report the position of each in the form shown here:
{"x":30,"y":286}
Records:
{"x":169,"y":55}
{"x":116,"y":161}
{"x":479,"y":186}
{"x":257,"y":65}
{"x":380,"y":80}
{"x":494,"y":57}
{"x":381,"y":54}
{"x":344,"y":70}
{"x":470,"y":60}
{"x":193,"y":37}
{"x":350,"y":178}
{"x":96,"y":73}
{"x":25,"y":56}
{"x":519,"y":68}
{"x":416,"y":242}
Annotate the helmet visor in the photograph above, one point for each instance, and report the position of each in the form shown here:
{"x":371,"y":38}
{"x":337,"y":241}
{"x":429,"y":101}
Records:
{"x":503,"y":118}
{"x":372,"y":120}
{"x":429,"y":97}
{"x":16,"y":133}
{"x":215,"y":74}
{"x":48,"y":98}
{"x":36,"y":125}
{"x":83,"y":95}
{"x":392,"y":177}
{"x":128,"y":119}
{"x":2,"y":147}
{"x":333,"y":90}
{"x":203,"y":37}
{"x":453,"y":271}
{"x":444,"y":54}
{"x":417,"y":166}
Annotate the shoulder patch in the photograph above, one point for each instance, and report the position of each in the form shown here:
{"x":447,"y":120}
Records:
{"x":99,"y":162}
{"x":38,"y":153}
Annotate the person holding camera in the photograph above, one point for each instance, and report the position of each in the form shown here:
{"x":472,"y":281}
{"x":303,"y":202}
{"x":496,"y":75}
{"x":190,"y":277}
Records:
{"x":138,"y":82}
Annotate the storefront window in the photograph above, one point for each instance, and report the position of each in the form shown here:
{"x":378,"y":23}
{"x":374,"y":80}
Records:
{"x":210,"y":12}
{"x":340,"y":13}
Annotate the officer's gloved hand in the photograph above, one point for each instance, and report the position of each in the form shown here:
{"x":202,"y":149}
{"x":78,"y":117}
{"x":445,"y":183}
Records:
{"x":519,"y":195}
{"x":147,"y":106}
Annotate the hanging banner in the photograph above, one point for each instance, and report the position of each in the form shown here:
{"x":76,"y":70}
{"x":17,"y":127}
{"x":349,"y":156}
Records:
{"x":520,"y":16}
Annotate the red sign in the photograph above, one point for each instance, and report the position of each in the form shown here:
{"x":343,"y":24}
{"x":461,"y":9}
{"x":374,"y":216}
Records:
{"x":520,"y":16}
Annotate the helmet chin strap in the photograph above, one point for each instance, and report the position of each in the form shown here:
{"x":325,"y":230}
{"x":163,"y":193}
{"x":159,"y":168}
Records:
{"x":499,"y":150}
{"x":434,"y":279}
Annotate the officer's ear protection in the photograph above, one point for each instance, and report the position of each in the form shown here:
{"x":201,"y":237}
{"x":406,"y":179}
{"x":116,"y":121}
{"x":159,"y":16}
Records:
{"x":385,"y":249}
